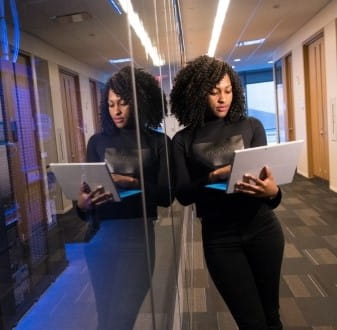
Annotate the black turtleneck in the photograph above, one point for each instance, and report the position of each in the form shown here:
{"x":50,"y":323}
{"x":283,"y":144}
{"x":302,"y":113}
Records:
{"x":120,"y":151}
{"x":211,"y":146}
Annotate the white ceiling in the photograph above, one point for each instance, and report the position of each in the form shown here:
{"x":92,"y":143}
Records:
{"x":105,"y":35}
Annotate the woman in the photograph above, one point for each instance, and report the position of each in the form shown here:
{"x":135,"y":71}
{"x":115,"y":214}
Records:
{"x":120,"y":267}
{"x":242,"y":238}
{"x":117,"y":145}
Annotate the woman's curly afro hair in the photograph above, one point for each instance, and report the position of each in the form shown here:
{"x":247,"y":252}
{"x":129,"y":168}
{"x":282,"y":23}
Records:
{"x":151,"y":100}
{"x":192,"y":85}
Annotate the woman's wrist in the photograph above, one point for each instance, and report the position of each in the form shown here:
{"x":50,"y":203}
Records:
{"x":135,"y":183}
{"x":86,"y":208}
{"x":212,"y":176}
{"x":273,"y":196}
{"x":84,"y":205}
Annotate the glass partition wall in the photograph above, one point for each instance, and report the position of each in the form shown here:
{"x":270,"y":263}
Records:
{"x":112,"y":273}
{"x":161,"y":306}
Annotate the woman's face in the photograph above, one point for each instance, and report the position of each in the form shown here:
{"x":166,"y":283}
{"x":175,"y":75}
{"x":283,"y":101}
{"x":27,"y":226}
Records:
{"x":119,"y":110}
{"x":220,"y":98}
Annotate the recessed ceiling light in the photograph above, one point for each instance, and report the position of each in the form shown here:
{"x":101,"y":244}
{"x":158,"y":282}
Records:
{"x":120,"y":60}
{"x":250,"y":42}
{"x":237,"y":60}
{"x":71,"y":18}
{"x":270,"y":62}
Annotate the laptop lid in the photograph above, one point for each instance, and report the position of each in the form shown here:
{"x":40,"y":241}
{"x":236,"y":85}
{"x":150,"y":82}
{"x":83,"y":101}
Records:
{"x":70,"y":176}
{"x":282,"y":158}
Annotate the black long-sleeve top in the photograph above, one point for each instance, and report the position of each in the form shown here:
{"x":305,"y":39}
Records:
{"x":120,"y":151}
{"x":198,"y":153}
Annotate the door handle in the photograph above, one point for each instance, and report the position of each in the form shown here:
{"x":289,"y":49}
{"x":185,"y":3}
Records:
{"x":14,"y":130}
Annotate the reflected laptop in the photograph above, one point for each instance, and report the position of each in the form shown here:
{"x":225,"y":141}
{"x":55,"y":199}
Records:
{"x":282,"y":158}
{"x":70,"y":176}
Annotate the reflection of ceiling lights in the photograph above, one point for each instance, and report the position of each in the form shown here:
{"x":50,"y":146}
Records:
{"x":138,"y":27}
{"x":217,"y":27}
{"x":120,"y":60}
{"x":71,"y":18}
{"x":250,"y":42}
{"x":115,"y":6}
{"x":6,"y":50}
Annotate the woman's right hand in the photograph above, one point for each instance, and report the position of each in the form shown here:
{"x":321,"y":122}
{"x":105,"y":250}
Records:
{"x":88,"y":199}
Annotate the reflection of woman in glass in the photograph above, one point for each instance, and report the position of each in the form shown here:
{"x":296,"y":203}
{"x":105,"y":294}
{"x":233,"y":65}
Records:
{"x":119,"y":267}
{"x":242,"y":238}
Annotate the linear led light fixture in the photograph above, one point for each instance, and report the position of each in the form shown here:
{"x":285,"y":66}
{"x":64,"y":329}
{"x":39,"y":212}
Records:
{"x":5,"y":46}
{"x":217,"y":27}
{"x":116,"y":7}
{"x":250,"y":42}
{"x":3,"y":28}
{"x":140,"y":31}
{"x":16,"y":36}
{"x":120,"y":60}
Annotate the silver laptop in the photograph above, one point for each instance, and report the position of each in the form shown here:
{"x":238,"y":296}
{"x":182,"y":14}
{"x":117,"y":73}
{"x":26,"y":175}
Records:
{"x":282,"y":158}
{"x":70,"y":176}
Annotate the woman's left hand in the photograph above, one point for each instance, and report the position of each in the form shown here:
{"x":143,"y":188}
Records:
{"x":262,"y":186}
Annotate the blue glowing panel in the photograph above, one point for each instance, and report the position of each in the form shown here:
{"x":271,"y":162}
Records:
{"x":26,"y":130}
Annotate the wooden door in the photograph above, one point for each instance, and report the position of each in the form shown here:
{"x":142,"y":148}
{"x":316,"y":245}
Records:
{"x":95,"y":103}
{"x":290,"y":121}
{"x":72,"y":114}
{"x":317,"y":110}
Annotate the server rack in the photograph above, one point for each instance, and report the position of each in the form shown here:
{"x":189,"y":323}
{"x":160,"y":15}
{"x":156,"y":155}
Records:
{"x":32,"y":252}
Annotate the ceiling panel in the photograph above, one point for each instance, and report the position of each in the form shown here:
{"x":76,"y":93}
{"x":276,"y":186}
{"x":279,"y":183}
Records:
{"x":105,"y":35}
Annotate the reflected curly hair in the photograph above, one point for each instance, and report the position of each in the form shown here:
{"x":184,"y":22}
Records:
{"x":151,"y":100}
{"x":193,"y":83}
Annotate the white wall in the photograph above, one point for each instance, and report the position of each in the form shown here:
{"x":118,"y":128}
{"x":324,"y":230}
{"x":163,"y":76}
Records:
{"x":55,"y":59}
{"x":324,"y":21}
{"x":331,"y":77}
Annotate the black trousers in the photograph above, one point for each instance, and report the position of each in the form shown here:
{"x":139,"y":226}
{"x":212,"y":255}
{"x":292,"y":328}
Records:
{"x":244,"y":260}
{"x":119,"y":271}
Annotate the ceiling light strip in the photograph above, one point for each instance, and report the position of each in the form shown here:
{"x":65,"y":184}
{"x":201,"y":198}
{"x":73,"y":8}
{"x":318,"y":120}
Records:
{"x":16,"y":33}
{"x":267,"y":36}
{"x":250,"y":42}
{"x":140,"y":31}
{"x":252,"y":15}
{"x":120,"y":60}
{"x":217,"y":27}
{"x":179,"y":29}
